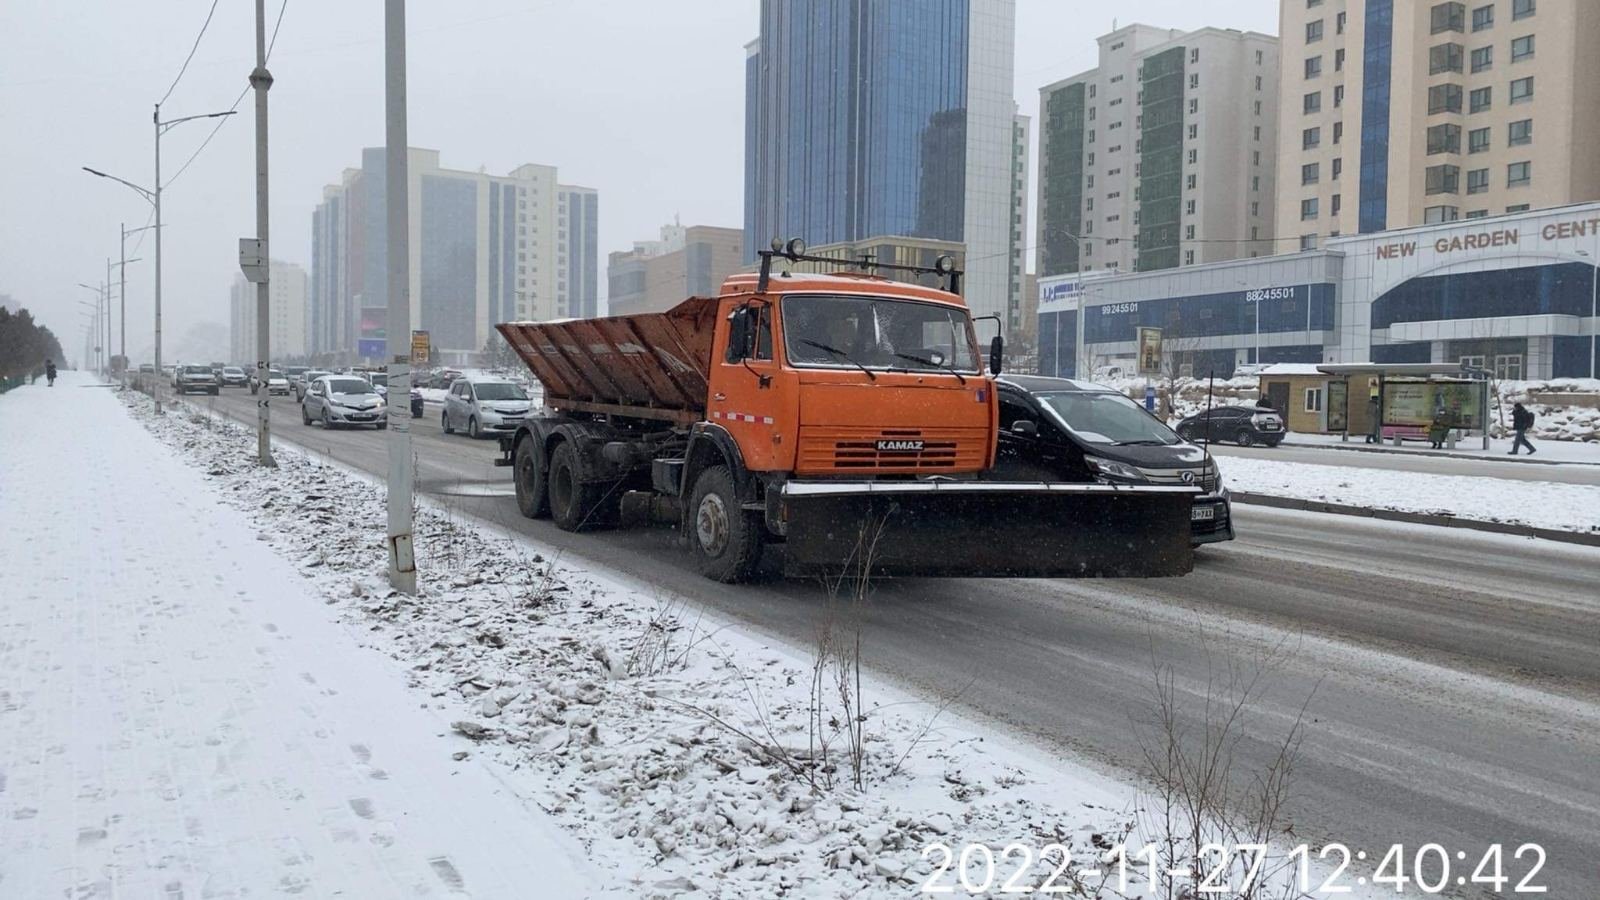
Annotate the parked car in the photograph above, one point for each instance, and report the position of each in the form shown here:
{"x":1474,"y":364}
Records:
{"x":343,"y":400}
{"x":1242,"y":425}
{"x":484,"y":405}
{"x":416,"y":403}
{"x":305,"y":381}
{"x":1057,"y":429}
{"x":233,"y":376}
{"x":196,"y":380}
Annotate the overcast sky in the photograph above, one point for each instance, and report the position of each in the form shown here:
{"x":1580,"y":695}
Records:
{"x":640,"y":99}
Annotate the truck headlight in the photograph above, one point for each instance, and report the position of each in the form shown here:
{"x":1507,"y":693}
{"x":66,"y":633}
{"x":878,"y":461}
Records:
{"x":1110,"y":469}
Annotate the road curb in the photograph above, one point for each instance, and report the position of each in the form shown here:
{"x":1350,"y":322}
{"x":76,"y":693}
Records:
{"x":1589,"y":539}
{"x":1442,"y":454}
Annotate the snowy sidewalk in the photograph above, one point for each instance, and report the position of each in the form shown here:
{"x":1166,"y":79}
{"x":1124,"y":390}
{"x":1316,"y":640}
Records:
{"x":181,"y":717}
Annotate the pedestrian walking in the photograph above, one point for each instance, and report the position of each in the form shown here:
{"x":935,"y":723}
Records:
{"x":1521,"y":421}
{"x":50,"y":372}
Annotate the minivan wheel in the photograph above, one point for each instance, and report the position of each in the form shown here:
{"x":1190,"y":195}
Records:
{"x":444,"y":422}
{"x":305,"y":416}
{"x":472,"y":428}
{"x":1245,"y":437}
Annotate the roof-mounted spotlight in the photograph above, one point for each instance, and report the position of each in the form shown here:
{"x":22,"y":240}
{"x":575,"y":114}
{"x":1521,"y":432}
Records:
{"x":795,"y":249}
{"x":944,"y":265}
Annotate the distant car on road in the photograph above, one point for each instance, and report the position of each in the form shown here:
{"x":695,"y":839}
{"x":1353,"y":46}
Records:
{"x":294,"y":373}
{"x":343,"y":400}
{"x":233,"y":376}
{"x":196,"y":380}
{"x":304,"y":384}
{"x":379,"y":382}
{"x":443,"y":378}
{"x":1242,"y":425}
{"x":147,"y":369}
{"x":484,"y":405}
{"x":1058,"y":429}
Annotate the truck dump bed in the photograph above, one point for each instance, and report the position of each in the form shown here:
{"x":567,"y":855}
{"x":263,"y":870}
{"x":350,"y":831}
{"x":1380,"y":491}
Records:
{"x":648,"y":365}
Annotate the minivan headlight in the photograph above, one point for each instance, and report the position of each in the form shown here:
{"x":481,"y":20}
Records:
{"x":1109,"y":469}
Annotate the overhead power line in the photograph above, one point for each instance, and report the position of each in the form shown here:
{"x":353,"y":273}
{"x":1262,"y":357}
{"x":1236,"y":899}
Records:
{"x":190,"y":58}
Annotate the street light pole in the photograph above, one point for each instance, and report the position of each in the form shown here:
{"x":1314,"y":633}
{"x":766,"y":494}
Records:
{"x":155,"y":391}
{"x":261,"y":82}
{"x":402,"y":559}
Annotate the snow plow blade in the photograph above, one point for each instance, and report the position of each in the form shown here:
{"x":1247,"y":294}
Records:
{"x":988,"y":529}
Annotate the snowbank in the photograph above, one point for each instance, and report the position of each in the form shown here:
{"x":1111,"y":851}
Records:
{"x":1540,"y":504}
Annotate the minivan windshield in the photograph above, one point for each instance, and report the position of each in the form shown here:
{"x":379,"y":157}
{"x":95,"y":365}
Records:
{"x":1106,"y":417}
{"x":878,"y":333}
{"x":498,"y":390}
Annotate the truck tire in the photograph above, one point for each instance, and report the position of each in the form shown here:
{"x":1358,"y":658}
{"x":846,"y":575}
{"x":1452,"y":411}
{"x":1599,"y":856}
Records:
{"x":726,"y":539}
{"x":576,"y":505}
{"x":528,"y":475}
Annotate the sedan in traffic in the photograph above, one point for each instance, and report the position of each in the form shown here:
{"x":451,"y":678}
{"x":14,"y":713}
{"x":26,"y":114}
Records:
{"x":234,"y":376}
{"x":337,"y":400}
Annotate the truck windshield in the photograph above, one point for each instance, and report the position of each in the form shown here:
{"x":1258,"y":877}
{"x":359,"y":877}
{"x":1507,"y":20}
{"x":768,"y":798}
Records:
{"x":847,"y":331}
{"x":1107,"y":418}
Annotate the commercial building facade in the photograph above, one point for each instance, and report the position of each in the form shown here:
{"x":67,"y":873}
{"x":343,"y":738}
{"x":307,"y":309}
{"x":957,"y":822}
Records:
{"x":893,"y":118}
{"x":1410,"y":113}
{"x":1161,"y":156}
{"x":687,"y":261}
{"x":1515,"y":294}
{"x":286,"y":308}
{"x":484,"y":249}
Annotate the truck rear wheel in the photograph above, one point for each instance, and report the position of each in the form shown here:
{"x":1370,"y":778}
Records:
{"x":528,"y":474}
{"x":727,"y":540}
{"x":574,"y":504}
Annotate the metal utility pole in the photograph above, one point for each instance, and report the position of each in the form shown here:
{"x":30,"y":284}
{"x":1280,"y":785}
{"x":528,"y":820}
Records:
{"x":402,"y":559}
{"x":122,"y":299}
{"x":110,"y":358}
{"x":261,"y":82}
{"x":155,"y":391}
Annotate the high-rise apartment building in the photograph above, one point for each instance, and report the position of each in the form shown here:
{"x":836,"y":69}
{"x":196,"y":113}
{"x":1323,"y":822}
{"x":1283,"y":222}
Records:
{"x":484,"y":249}
{"x":1408,"y":113}
{"x":286,"y":307}
{"x":1017,"y":292}
{"x":1162,"y":155}
{"x":885,"y":119}
{"x":687,"y":261}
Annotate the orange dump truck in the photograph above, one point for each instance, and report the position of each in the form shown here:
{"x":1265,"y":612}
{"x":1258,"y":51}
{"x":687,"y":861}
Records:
{"x":843,"y":417}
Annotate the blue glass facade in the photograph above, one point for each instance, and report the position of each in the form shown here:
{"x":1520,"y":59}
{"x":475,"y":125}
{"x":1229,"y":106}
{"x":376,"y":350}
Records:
{"x":856,"y":121}
{"x":448,"y":261}
{"x":1571,"y":356}
{"x":1376,"y":59}
{"x":1556,"y":289}
{"x":1303,"y":307}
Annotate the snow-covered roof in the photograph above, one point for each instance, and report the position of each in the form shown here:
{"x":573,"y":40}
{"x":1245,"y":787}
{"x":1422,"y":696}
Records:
{"x":1292,"y":369}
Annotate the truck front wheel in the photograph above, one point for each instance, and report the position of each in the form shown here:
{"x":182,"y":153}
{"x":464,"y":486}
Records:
{"x":574,"y":504}
{"x":528,"y":474}
{"x":727,"y":540}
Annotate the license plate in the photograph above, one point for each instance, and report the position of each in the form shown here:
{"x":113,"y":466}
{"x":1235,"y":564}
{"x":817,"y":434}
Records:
{"x":361,"y":418}
{"x":1202,"y":513}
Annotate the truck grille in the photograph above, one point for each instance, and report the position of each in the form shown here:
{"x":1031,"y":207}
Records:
{"x":891,"y":450}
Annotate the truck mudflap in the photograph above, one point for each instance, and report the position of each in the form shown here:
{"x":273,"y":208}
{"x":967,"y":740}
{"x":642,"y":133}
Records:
{"x":987,"y":529}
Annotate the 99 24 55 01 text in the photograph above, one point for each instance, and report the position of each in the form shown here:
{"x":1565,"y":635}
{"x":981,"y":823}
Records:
{"x":1234,"y":869}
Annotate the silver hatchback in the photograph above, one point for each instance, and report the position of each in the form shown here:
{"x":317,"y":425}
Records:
{"x":484,"y":406}
{"x":343,"y":400}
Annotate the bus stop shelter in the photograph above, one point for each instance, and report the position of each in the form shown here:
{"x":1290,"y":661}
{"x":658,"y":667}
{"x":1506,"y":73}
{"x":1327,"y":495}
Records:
{"x":1409,"y":396}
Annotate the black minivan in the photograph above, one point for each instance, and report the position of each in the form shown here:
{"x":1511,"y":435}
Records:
{"x":1058,"y":429}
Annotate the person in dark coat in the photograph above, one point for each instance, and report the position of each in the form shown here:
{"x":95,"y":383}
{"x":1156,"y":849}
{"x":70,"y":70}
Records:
{"x":1521,"y":421}
{"x":50,"y":372}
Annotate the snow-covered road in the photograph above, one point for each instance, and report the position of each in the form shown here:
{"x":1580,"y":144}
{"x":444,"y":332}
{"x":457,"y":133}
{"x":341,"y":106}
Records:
{"x":180,"y":717}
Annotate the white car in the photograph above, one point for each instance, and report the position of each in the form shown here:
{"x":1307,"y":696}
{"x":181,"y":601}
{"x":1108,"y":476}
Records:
{"x":343,"y":400}
{"x":484,"y":405}
{"x":277,"y":383}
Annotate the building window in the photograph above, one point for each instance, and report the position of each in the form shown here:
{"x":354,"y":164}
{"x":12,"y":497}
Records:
{"x":1338,"y":132}
{"x":1311,"y":137}
{"x":1308,"y":242}
{"x":1519,"y":174}
{"x":1194,"y":156}
{"x":1521,"y":132}
{"x":1339,"y":23}
{"x":1338,"y":204}
{"x":1522,"y":48}
{"x":1188,"y":232}
{"x":1522,"y":90}
{"x":1520,"y":207}
{"x":1194,"y":80}
{"x":1188,"y":207}
{"x":1482,"y":99}
{"x":1448,"y":17}
{"x":1478,"y":140}
{"x":1310,"y":173}
{"x":1313,"y":31}
{"x":1445,"y":179}
{"x":1194,"y":54}
{"x":1444,"y":58}
{"x":1521,"y":9}
{"x":1442,"y":98}
{"x":1338,"y":96}
{"x":1338,"y":167}
{"x":1313,"y":66}
{"x":1482,"y":58}
{"x":1313,"y":400}
{"x":1477,"y":214}
{"x":1194,"y":106}
{"x":1433,"y":215}
{"x":1444,"y":139}
{"x":1483,"y":17}
{"x":1188,"y":257}
{"x":1194,"y":131}
{"x":1477,"y":181}
{"x":1308,"y":209}
{"x":1338,"y":58}
{"x":1311,"y":103}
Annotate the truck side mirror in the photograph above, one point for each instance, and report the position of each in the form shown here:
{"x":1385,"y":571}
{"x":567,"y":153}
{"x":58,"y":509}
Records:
{"x":997,"y":352}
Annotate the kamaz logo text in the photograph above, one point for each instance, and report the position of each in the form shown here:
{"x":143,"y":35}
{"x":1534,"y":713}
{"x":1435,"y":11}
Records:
{"x":899,"y":445}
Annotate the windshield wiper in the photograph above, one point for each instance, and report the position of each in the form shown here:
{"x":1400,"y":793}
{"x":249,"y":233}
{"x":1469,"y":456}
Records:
{"x":929,"y":362}
{"x":1143,"y":442}
{"x":839,"y":353}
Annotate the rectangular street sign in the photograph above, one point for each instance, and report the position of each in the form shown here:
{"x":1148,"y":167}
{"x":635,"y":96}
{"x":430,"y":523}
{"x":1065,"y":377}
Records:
{"x":252,"y":259}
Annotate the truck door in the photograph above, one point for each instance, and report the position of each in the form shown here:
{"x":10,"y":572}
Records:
{"x":744,"y":390}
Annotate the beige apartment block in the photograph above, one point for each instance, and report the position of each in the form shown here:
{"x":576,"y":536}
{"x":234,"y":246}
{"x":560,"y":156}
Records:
{"x":286,"y":309}
{"x":687,"y":261}
{"x":1399,"y":113}
{"x":1161,"y":156}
